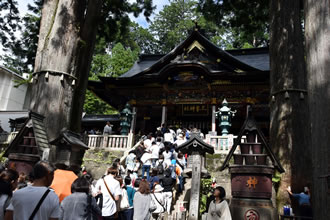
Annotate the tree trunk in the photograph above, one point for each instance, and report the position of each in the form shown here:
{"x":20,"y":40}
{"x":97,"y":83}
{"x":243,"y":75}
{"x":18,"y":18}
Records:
{"x":317,"y":33}
{"x":289,"y":125}
{"x":66,"y":43}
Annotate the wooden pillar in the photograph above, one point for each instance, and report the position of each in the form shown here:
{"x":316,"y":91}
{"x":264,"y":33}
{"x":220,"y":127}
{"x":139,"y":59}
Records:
{"x":213,"y":118}
{"x":164,"y":114}
{"x":195,"y":186}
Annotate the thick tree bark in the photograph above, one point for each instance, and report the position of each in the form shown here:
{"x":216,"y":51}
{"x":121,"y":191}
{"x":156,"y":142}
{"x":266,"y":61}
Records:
{"x":289,"y":125}
{"x":317,"y":33}
{"x":66,"y":43}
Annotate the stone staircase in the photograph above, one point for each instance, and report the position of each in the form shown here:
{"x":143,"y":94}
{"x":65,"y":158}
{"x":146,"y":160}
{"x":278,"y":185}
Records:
{"x":184,"y":197}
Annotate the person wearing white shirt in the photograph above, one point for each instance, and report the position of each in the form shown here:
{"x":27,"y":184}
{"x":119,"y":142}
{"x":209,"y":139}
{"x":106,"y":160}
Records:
{"x":180,"y":140}
{"x":147,"y":142}
{"x":25,"y":200}
{"x":167,"y":156}
{"x":168,"y":137}
{"x":109,"y":202}
{"x":154,"y":153}
{"x":159,"y":200}
{"x":146,"y":160}
{"x":130,"y":160}
{"x":160,"y":143}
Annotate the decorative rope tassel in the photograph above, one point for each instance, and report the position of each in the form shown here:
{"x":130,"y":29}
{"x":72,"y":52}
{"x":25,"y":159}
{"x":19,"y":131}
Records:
{"x":286,"y":95}
{"x":73,"y":82}
{"x":46,"y":75}
{"x":62,"y":78}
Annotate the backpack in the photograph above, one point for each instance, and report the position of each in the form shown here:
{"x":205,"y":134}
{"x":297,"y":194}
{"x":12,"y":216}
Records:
{"x":160,"y":167}
{"x":173,"y":174}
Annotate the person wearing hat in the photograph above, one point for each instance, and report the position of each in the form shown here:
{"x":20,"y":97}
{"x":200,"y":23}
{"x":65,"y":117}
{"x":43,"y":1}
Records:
{"x":180,"y":140}
{"x":159,"y":200}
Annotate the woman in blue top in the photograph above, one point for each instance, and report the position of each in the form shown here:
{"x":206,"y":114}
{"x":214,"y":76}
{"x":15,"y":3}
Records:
{"x":130,"y":194}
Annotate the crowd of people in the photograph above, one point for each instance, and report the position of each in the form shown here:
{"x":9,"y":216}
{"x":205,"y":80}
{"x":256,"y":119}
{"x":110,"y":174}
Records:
{"x":139,"y":188}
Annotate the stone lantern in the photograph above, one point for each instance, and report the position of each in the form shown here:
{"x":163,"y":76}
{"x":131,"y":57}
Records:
{"x":224,"y":115}
{"x":196,"y":149}
{"x":126,"y":117}
{"x":70,"y":151}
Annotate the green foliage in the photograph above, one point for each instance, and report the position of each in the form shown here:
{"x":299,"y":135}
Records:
{"x":115,"y":25}
{"x":174,"y":23}
{"x":94,"y":105}
{"x":247,"y":20}
{"x":2,"y":158}
{"x":277,"y":180}
{"x":115,"y":64}
{"x":205,"y":193}
{"x":143,"y":39}
{"x":22,"y":50}
{"x":9,"y":21}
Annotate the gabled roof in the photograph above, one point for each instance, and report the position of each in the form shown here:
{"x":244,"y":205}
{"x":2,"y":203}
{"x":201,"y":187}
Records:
{"x":256,"y":59}
{"x":34,"y":122}
{"x":195,"y":143}
{"x":250,"y":125}
{"x":70,"y":138}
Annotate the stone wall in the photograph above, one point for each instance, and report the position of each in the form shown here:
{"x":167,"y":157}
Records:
{"x":213,"y":163}
{"x":97,"y":161}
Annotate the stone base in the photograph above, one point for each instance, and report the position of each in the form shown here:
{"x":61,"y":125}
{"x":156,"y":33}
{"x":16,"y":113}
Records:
{"x":252,"y":209}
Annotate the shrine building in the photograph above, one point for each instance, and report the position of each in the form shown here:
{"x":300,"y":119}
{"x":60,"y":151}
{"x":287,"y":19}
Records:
{"x":186,"y":86}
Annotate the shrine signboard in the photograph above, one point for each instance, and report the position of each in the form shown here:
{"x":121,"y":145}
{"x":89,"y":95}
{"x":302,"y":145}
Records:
{"x":195,"y":109}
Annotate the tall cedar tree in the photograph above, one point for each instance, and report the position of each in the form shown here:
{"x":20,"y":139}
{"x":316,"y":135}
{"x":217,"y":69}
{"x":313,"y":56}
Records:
{"x":66,"y":43}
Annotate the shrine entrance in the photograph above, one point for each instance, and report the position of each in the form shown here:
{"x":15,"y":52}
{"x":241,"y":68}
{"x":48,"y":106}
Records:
{"x":184,"y":87}
{"x":190,"y":115}
{"x":178,"y":116}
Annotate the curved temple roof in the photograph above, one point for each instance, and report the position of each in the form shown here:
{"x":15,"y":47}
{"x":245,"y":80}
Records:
{"x":255,"y":59}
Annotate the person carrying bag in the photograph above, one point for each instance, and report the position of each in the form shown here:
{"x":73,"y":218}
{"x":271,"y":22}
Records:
{"x":158,"y":199}
{"x":115,"y":216}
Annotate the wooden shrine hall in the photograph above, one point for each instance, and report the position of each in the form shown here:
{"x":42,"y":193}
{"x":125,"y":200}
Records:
{"x":186,"y":86}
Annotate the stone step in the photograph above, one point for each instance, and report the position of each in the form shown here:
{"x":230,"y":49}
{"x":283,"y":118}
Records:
{"x":183,"y":197}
